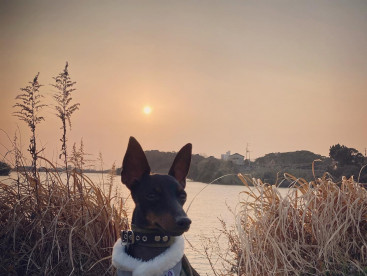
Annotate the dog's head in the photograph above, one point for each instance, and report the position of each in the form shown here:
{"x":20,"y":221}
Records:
{"x":158,"y":198}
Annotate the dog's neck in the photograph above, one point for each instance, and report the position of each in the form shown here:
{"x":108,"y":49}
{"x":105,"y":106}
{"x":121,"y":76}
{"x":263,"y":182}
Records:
{"x":141,"y":251}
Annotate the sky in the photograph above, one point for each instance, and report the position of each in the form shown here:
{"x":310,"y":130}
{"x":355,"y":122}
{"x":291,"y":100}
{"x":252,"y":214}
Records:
{"x":278,"y":76}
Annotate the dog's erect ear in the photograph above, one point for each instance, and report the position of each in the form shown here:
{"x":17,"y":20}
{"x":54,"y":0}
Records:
{"x":181,"y":165}
{"x":135,"y":164}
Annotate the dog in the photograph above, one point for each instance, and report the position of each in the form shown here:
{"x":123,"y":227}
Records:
{"x":154,"y":246}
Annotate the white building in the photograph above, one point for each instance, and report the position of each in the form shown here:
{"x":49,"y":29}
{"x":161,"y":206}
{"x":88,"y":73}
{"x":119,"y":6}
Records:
{"x":237,"y":159}
{"x":226,"y":155}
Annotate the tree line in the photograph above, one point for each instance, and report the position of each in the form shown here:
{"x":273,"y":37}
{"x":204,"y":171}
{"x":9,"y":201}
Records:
{"x":342,"y":161}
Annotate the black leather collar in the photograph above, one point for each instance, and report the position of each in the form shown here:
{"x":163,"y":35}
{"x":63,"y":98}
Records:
{"x":145,"y":238}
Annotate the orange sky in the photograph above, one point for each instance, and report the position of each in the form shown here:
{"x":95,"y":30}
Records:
{"x":279,"y":75}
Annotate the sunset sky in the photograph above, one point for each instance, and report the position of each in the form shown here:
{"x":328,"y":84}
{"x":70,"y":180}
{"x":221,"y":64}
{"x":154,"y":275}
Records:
{"x":279,"y":75}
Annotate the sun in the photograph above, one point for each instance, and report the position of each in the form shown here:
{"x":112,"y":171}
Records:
{"x":147,"y":110}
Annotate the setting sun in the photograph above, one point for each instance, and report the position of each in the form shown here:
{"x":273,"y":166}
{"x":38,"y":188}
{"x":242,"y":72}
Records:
{"x":147,"y":110}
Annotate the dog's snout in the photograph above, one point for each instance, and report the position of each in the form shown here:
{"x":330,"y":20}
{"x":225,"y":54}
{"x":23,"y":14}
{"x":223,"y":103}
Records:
{"x":183,"y":222}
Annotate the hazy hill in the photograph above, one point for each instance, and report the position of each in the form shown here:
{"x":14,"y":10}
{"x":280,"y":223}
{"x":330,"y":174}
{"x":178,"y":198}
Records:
{"x":302,"y":157}
{"x":297,"y":163}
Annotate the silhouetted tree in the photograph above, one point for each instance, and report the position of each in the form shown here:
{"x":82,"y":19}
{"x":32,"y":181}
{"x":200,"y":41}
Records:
{"x":29,"y":105}
{"x":346,"y":156}
{"x":348,"y":162}
{"x":64,"y":109}
{"x":4,"y":168}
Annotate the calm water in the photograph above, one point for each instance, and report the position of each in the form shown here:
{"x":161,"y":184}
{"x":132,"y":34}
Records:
{"x":209,"y":205}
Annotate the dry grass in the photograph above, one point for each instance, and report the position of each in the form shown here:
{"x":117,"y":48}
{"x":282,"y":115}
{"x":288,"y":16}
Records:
{"x":318,"y":228}
{"x":58,"y":234}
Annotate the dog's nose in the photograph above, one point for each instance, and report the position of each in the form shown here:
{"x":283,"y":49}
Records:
{"x":183,"y":222}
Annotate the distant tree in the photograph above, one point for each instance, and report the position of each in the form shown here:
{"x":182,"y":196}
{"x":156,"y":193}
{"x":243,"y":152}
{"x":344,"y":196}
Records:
{"x":346,"y":156}
{"x":28,"y":107}
{"x":64,"y":109}
{"x":4,"y":168}
{"x":348,"y":163}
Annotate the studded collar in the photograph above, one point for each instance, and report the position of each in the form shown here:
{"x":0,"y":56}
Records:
{"x":145,"y":238}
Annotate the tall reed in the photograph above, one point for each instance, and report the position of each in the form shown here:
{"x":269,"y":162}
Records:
{"x":64,"y":110}
{"x":28,"y":106}
{"x":318,"y":228}
{"x":62,"y":235}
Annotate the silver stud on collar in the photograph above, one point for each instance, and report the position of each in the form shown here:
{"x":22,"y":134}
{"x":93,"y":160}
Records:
{"x":165,"y":238}
{"x":157,"y":238}
{"x":144,"y":238}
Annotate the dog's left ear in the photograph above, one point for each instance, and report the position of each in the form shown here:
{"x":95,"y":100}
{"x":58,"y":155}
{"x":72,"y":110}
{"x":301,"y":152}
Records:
{"x":181,"y":165}
{"x":135,"y":164}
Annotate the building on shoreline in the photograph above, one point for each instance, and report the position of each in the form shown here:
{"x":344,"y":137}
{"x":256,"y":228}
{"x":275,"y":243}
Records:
{"x":236,"y":158}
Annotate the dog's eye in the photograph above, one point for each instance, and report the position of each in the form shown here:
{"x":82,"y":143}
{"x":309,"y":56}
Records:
{"x":152,"y":196}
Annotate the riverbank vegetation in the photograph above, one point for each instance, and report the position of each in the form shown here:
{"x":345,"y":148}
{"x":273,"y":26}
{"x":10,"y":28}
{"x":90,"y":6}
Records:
{"x":57,"y":231}
{"x":342,"y":161}
{"x":57,"y":222}
{"x":318,"y":228}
